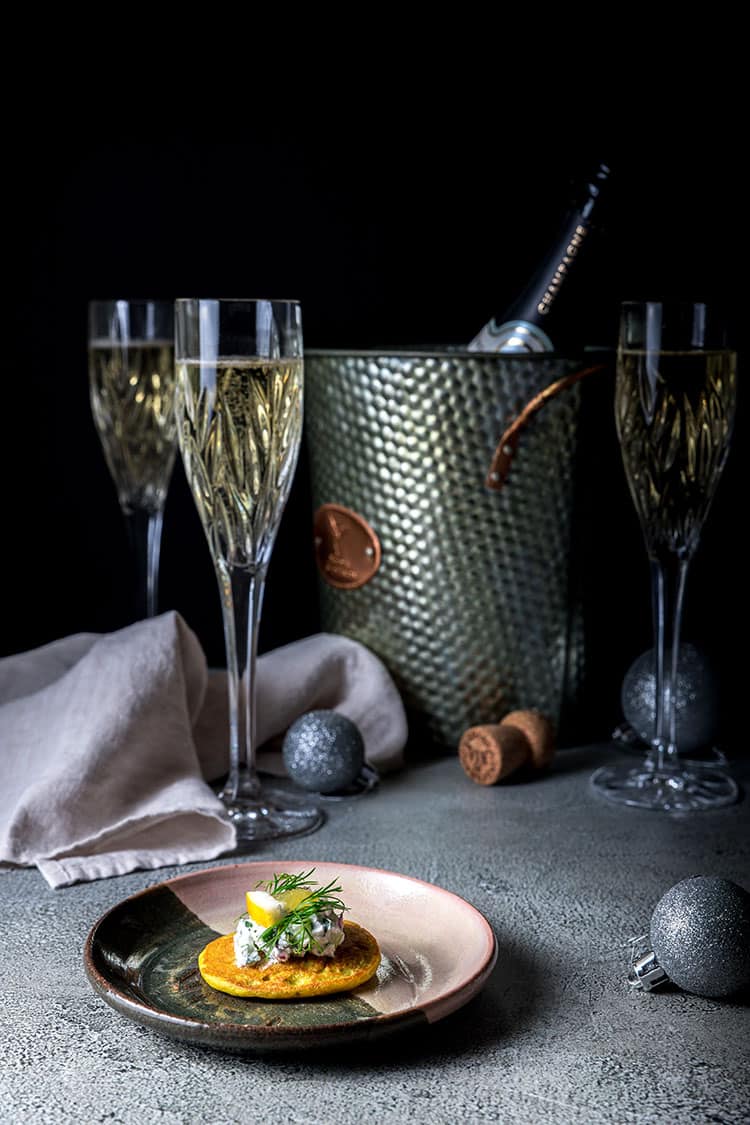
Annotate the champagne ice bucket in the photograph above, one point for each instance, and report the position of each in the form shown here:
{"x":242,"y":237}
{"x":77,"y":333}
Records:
{"x":470,"y":607}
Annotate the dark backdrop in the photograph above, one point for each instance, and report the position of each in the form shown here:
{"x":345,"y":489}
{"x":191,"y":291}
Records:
{"x":385,"y":239}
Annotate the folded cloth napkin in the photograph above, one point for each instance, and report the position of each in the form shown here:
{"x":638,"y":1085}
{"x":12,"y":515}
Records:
{"x":107,"y":742}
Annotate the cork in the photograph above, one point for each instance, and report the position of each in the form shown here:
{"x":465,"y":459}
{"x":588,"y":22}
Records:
{"x":491,"y":752}
{"x":539,"y":733}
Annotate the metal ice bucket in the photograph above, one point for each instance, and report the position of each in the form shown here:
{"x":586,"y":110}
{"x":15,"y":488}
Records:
{"x":470,"y":607}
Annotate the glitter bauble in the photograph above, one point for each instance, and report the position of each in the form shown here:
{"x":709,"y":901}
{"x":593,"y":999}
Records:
{"x":696,"y":700}
{"x":323,"y":751}
{"x":700,"y":933}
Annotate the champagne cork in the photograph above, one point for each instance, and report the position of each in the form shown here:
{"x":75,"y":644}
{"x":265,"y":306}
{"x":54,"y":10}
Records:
{"x":491,"y":752}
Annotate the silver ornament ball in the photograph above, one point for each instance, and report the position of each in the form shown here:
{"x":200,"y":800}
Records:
{"x":700,"y":933}
{"x":323,"y":751}
{"x":696,"y":699}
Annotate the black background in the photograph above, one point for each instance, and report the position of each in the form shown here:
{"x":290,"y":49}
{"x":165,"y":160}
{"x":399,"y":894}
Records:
{"x":387,"y":236}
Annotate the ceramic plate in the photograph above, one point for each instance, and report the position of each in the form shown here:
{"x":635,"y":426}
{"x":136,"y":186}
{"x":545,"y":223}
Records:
{"x":141,"y":957}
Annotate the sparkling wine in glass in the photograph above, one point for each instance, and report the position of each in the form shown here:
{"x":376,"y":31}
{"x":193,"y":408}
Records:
{"x":675,"y":400}
{"x":131,"y":381}
{"x":239,"y":418}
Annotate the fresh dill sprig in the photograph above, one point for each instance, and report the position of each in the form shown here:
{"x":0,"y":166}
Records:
{"x":282,"y":883}
{"x":318,"y":901}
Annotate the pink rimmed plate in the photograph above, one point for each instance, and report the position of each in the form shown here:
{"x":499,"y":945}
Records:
{"x":141,"y":957}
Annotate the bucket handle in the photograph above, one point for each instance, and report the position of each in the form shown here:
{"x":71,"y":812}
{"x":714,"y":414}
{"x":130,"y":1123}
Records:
{"x":506,"y":447}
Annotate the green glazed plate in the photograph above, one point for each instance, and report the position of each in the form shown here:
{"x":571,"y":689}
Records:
{"x":141,"y":957}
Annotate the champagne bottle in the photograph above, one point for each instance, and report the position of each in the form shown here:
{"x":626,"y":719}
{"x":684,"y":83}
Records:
{"x":531,"y":324}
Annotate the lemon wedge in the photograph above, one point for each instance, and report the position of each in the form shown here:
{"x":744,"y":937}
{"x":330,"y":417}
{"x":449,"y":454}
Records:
{"x":292,"y":899}
{"x":264,"y":909}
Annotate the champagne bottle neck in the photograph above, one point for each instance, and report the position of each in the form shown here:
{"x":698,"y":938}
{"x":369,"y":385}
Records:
{"x":529,"y":324}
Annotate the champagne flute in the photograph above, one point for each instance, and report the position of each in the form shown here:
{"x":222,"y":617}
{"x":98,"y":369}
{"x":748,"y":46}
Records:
{"x":239,"y":418}
{"x":675,"y":401}
{"x":131,"y":382}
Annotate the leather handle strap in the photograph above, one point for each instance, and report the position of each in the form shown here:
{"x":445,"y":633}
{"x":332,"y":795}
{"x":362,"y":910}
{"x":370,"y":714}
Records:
{"x":506,"y":447}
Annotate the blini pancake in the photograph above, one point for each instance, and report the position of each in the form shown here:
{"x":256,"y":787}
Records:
{"x":355,"y":961}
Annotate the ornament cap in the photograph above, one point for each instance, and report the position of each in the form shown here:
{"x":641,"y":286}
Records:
{"x":646,"y":972}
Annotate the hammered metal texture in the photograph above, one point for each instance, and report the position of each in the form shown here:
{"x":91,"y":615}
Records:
{"x":470,"y":609}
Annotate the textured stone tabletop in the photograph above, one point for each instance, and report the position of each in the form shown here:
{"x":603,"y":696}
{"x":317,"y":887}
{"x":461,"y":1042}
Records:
{"x":556,"y":1035}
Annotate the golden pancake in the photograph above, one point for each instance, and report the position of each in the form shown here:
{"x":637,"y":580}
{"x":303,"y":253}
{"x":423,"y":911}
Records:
{"x":355,"y":961}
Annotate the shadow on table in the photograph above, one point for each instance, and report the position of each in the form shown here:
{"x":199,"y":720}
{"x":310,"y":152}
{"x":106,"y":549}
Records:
{"x":507,"y":1008}
{"x":586,"y":759}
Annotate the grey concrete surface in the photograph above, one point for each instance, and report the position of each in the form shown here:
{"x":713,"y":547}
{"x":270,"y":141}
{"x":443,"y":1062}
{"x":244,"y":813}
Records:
{"x":556,"y":1035}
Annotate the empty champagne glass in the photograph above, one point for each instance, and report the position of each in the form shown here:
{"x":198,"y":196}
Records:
{"x":674,"y":407}
{"x":131,"y":381}
{"x":239,"y":414}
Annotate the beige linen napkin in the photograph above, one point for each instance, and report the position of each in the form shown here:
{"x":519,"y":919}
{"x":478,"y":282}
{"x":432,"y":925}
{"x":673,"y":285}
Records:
{"x":107,"y":742}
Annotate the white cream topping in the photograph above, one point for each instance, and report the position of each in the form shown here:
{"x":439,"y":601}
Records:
{"x":325,"y":935}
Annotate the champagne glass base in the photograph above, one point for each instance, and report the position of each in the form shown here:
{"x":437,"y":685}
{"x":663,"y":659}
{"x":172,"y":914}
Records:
{"x":263,"y":820}
{"x":680,"y":790}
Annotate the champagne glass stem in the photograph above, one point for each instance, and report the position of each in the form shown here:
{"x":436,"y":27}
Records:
{"x":242,"y":599}
{"x":668,"y":576}
{"x":144,"y":531}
